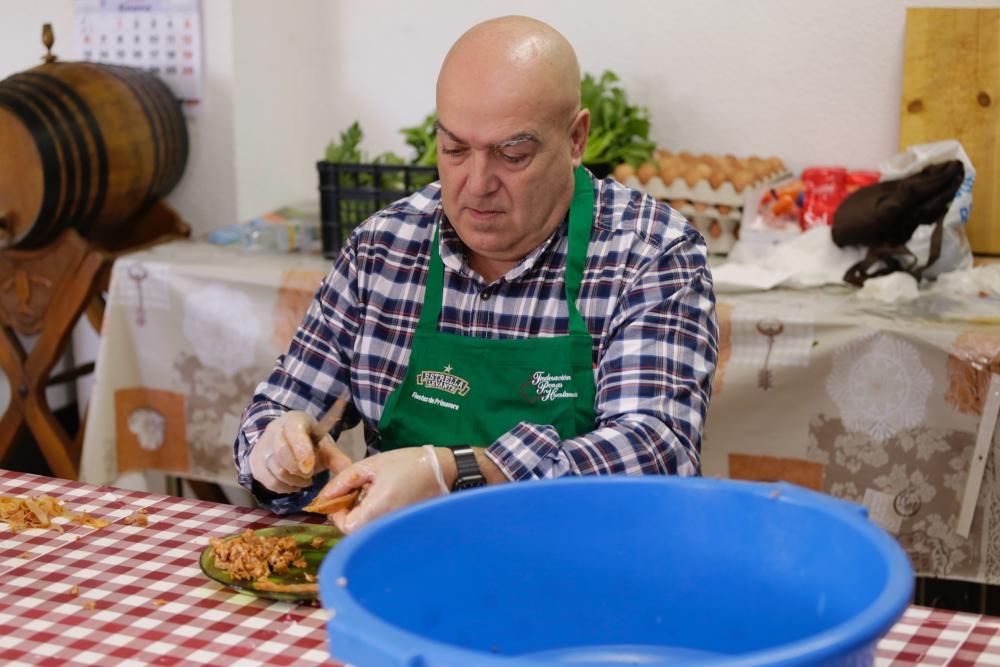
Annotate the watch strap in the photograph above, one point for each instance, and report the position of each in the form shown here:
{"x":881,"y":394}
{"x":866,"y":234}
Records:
{"x":468,"y":473}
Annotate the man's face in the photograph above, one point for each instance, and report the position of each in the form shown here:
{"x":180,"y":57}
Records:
{"x":506,"y":166}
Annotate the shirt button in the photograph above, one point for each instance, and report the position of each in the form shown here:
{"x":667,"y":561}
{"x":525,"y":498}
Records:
{"x":485,"y":294}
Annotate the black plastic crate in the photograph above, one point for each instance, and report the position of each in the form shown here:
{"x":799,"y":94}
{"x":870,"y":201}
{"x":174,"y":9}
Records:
{"x":350,"y":193}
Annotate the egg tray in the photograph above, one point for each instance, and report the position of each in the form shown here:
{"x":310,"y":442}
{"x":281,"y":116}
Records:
{"x":702,"y":191}
{"x":700,"y":205}
{"x":720,"y":229}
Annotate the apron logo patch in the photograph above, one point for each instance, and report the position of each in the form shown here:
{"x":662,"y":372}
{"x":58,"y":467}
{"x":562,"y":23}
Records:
{"x":545,"y":387}
{"x":444,"y":381}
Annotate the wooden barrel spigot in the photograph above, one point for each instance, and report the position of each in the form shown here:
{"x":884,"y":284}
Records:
{"x":48,"y":39}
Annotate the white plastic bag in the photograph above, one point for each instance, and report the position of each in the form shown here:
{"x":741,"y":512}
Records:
{"x":956,"y":254}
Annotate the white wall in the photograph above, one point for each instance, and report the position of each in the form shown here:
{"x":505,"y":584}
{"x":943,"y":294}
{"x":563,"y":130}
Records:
{"x":281,"y":105}
{"x":207,"y":195}
{"x":810,"y":82}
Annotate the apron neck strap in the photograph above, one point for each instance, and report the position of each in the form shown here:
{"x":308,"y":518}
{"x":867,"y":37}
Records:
{"x":581,"y":220}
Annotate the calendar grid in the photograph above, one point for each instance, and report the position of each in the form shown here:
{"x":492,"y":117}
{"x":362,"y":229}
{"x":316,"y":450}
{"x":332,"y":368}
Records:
{"x":162,"y":37}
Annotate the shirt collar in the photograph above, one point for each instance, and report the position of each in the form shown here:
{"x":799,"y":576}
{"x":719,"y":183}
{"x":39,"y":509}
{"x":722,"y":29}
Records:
{"x":453,"y":254}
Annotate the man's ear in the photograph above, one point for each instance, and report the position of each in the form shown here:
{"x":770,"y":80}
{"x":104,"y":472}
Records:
{"x":578,"y":135}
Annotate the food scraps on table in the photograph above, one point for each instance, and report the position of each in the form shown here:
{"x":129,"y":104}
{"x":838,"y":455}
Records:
{"x":39,"y":511}
{"x":30,"y":512}
{"x":140,"y":517}
{"x":84,"y":519}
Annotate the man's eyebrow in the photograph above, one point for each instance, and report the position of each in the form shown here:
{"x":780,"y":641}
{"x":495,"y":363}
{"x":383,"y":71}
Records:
{"x":519,"y":138}
{"x":441,"y":128}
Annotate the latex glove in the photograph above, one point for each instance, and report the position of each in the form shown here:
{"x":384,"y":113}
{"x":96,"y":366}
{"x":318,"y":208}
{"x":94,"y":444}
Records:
{"x":393,"y":479}
{"x":285,"y":458}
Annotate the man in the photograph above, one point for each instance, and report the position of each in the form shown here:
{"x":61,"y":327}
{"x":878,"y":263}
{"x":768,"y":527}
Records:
{"x":554,"y":323}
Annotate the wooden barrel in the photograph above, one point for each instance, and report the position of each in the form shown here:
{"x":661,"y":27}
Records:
{"x":86,"y":146}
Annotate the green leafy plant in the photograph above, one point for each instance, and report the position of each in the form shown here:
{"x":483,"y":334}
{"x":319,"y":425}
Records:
{"x":422,"y":139}
{"x":619,"y":131}
{"x":348,"y":149}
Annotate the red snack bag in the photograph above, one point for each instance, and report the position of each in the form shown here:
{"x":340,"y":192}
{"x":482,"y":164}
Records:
{"x":825,"y":188}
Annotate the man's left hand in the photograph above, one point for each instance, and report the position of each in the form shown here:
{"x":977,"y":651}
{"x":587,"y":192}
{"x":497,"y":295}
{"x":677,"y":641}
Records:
{"x":393,"y":479}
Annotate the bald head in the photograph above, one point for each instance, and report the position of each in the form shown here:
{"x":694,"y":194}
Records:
{"x":518,"y":55}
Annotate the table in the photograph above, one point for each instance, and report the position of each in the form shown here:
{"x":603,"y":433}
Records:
{"x":189,"y":330}
{"x":878,"y":404}
{"x":875,"y":403}
{"x":152,"y":605}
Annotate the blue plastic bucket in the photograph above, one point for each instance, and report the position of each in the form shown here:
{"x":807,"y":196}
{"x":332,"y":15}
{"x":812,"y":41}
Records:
{"x":616,"y":571}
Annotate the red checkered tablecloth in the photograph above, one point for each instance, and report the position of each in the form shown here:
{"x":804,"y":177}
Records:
{"x":141,"y":598}
{"x":936,"y":637}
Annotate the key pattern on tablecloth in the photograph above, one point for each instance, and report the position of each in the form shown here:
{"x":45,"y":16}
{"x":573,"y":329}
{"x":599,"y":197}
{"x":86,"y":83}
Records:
{"x":139,"y":597}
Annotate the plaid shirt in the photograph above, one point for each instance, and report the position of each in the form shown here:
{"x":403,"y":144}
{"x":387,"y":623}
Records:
{"x":646,"y":297}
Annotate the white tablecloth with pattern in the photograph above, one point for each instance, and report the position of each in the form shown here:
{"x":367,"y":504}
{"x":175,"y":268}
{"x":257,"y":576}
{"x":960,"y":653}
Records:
{"x":189,"y":331}
{"x":876,"y":403}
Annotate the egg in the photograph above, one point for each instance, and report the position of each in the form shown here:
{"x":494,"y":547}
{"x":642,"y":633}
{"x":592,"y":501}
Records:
{"x":718,"y":176}
{"x":624,"y":171}
{"x":646,"y":172}
{"x":669,"y":162}
{"x":695,"y":173}
{"x":670,"y":173}
{"x":743,"y":178}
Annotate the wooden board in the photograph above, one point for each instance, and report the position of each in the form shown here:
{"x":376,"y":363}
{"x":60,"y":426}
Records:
{"x":951,"y":90}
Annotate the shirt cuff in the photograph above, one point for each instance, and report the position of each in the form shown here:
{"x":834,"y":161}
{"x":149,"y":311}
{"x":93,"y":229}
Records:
{"x":529,"y":451}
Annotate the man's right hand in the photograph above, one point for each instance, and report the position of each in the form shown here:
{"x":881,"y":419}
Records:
{"x":285,"y":458}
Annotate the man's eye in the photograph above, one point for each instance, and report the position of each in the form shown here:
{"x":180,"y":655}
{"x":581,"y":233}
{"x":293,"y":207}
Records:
{"x":452,"y":151}
{"x":513,"y":159}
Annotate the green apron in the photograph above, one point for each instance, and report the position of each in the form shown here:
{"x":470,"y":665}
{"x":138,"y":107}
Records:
{"x":462,"y":390}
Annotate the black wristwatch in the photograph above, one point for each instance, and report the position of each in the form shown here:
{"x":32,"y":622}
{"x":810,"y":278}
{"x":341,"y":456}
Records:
{"x":469,"y":475}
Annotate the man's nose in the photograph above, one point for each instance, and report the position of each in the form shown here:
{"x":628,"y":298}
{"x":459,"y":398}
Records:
{"x":483,"y":177}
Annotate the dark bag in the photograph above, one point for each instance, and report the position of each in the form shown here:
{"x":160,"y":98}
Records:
{"x":884,"y":216}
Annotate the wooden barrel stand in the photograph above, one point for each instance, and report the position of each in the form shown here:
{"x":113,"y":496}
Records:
{"x":43,"y":292}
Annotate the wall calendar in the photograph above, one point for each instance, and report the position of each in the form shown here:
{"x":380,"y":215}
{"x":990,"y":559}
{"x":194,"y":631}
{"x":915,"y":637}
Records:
{"x":160,"y":36}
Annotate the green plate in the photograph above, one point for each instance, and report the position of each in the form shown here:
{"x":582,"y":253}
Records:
{"x":304,"y":535}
